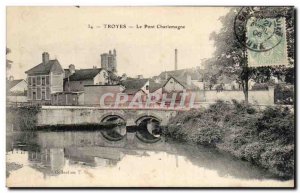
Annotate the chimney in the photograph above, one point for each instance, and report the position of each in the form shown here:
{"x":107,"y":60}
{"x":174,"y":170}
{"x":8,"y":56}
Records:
{"x":176,"y":67}
{"x":45,"y":57}
{"x":109,"y":52}
{"x":72,"y":68}
{"x":115,"y":52}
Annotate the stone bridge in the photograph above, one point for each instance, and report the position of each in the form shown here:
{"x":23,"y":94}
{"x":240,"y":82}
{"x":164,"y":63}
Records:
{"x":79,"y":115}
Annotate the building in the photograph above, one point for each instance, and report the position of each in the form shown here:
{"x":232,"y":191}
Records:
{"x":135,"y":85}
{"x":16,"y":91}
{"x":155,"y":87}
{"x":44,"y":79}
{"x":94,"y":93}
{"x":109,"y":61}
{"x":67,"y":98}
{"x":173,"y":85}
{"x":192,"y":76}
{"x":75,"y":80}
{"x":17,"y":87}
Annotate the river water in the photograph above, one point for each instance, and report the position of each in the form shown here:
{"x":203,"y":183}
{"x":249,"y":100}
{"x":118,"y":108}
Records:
{"x":87,"y":159}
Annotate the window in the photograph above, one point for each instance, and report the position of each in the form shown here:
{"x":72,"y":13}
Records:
{"x":29,"y":81}
{"x":38,"y":93}
{"x":47,"y":80}
{"x":43,"y":95}
{"x":33,"y":81}
{"x":38,"y":80}
{"x":33,"y":95}
{"x":43,"y":81}
{"x":147,"y":87}
{"x":47,"y":93}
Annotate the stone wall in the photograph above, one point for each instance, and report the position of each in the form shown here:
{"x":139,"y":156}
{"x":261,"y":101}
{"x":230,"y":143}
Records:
{"x":258,"y":97}
{"x":72,"y":115}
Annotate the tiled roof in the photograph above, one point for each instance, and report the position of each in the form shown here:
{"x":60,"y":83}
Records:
{"x":52,"y":65}
{"x":84,"y":74}
{"x":13,"y":83}
{"x":133,"y":85}
{"x":153,"y":86}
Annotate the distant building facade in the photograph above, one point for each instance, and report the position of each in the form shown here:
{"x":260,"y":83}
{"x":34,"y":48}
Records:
{"x":44,"y":79}
{"x":173,"y":85}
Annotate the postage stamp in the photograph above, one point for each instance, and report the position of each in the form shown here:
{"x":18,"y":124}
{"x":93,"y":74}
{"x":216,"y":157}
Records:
{"x":264,"y":37}
{"x":266,"y":42}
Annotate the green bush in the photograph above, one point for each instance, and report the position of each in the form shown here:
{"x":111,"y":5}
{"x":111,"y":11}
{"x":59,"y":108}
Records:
{"x":23,"y":118}
{"x":284,"y":94}
{"x":276,"y":125}
{"x":279,"y":160}
{"x":253,"y":151}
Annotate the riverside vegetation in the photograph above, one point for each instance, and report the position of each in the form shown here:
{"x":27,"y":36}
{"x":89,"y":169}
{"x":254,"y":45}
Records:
{"x":262,"y":137}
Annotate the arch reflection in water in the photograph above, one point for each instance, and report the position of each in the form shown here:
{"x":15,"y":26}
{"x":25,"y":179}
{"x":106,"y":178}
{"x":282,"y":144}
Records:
{"x":149,"y":130}
{"x":115,"y":128}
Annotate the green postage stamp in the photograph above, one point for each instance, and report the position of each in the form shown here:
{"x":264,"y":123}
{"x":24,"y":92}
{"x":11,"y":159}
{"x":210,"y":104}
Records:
{"x":266,"y":42}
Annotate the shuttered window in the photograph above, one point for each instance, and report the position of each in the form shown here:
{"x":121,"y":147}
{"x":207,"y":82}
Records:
{"x":47,"y":80}
{"x":33,"y":81}
{"x":48,"y":93}
{"x":38,"y":80}
{"x":29,"y":92}
{"x":39,"y":93}
{"x":29,"y":81}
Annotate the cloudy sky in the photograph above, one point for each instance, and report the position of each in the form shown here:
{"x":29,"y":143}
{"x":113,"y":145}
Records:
{"x":63,"y":32}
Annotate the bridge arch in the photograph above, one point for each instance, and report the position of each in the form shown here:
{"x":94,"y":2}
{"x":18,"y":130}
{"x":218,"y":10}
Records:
{"x":144,"y":117}
{"x":149,"y":130}
{"x":114,"y":127}
{"x":105,"y":117}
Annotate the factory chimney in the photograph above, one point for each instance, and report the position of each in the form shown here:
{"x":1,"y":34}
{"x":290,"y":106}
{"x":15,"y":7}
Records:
{"x":176,"y":66}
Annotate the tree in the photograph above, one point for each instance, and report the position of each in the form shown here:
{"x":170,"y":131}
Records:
{"x":8,"y":62}
{"x":230,"y":56}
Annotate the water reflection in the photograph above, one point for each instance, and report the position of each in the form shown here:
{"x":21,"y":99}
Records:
{"x":55,"y":154}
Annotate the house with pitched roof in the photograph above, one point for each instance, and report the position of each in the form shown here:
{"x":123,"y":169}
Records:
{"x":44,"y":79}
{"x":75,"y":80}
{"x":191,"y":76}
{"x":16,"y":91}
{"x":135,"y":85}
{"x":17,"y":87}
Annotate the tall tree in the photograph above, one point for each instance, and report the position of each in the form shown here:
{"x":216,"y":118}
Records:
{"x":230,"y":56}
{"x":8,"y":62}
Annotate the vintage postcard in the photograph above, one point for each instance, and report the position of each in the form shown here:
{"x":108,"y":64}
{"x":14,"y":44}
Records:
{"x":150,"y":96}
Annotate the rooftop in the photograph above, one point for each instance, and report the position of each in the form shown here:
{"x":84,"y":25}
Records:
{"x":133,"y":85}
{"x":84,"y":74}
{"x":52,"y":65}
{"x":13,"y":83}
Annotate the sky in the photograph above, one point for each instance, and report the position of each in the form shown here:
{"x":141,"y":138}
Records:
{"x":63,"y":32}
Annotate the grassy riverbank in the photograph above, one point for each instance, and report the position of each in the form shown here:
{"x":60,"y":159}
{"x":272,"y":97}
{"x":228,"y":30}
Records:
{"x":263,"y":137}
{"x":22,"y":118}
